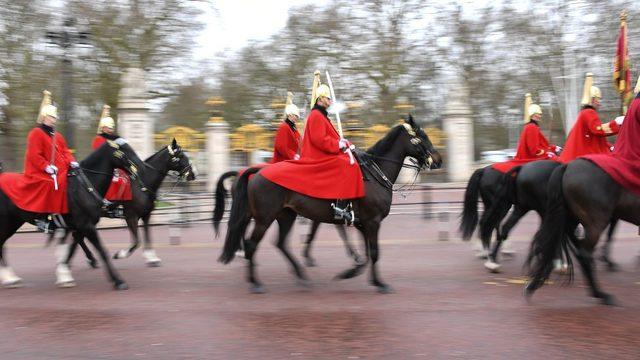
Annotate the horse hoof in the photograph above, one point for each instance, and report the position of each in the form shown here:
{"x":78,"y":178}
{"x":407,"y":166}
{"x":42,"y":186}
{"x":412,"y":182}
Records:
{"x":305,"y":283}
{"x":14,"y":284}
{"x":384,"y":289}
{"x":66,"y":284}
{"x":613,"y":267}
{"x":309,"y":262}
{"x":93,"y":264}
{"x":121,"y":286}
{"x":154,"y":263}
{"x":257,"y":289}
{"x":492,"y":266}
{"x":608,"y":300}
{"x":122,"y":254}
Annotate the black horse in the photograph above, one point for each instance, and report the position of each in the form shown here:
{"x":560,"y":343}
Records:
{"x":143,"y":202}
{"x":219,"y":208}
{"x":265,"y":202}
{"x":86,"y":187}
{"x":524,"y":187}
{"x":579,"y":192}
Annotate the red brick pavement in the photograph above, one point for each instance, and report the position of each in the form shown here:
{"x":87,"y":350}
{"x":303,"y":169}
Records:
{"x":445,"y":305}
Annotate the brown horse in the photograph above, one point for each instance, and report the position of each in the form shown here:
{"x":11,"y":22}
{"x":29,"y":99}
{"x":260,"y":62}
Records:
{"x":266,"y":202}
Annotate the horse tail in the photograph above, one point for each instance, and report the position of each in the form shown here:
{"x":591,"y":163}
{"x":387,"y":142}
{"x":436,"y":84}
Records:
{"x":239,"y":218}
{"x":470,"y":210}
{"x":551,"y":239}
{"x":220,"y":199}
{"x":503,"y":199}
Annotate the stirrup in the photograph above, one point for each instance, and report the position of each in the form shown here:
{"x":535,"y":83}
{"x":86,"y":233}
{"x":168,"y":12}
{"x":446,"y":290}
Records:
{"x":343,"y":214}
{"x":45,"y":226}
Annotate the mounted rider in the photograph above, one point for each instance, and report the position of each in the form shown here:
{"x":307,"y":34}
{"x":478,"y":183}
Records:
{"x":120,"y":189}
{"x":588,"y":134}
{"x":533,"y":145}
{"x":287,"y":140}
{"x":324,"y":170}
{"x":42,"y":188}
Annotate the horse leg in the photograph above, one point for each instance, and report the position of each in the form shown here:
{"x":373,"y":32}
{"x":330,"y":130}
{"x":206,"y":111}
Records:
{"x":8,"y":226}
{"x":150,"y":257}
{"x":371,"y":234}
{"x":351,"y":251}
{"x":286,"y":220}
{"x":64,"y":254}
{"x":306,"y":252}
{"x":492,"y":263}
{"x":584,"y":254}
{"x":250,"y":247}
{"x":606,"y":248}
{"x":132,"y":224}
{"x":91,"y":260}
{"x":118,"y":283}
{"x":486,"y":242}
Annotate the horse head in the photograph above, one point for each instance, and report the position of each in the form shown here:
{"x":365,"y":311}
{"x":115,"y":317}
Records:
{"x":180,"y":162}
{"x":419,"y":146}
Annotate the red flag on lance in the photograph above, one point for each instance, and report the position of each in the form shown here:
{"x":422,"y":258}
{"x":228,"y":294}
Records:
{"x":621,"y":65}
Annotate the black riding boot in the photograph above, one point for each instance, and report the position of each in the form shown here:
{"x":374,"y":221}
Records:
{"x":46,"y":225}
{"x":112,"y":210}
{"x":342,"y":211}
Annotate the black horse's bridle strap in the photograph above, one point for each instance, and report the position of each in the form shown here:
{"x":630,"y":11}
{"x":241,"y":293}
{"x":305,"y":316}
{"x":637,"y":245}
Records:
{"x":87,"y":183}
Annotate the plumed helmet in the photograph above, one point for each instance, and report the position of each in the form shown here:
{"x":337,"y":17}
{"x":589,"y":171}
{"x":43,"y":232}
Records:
{"x":106,"y":119}
{"x":589,"y":91}
{"x":291,"y":108}
{"x":318,"y":89}
{"x":46,"y":107}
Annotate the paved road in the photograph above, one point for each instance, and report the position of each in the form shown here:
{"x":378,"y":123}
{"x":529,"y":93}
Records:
{"x":444,"y":306}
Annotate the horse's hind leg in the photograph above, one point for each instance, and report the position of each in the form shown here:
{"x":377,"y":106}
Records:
{"x":8,"y":226}
{"x":285,"y":221}
{"x":503,"y":232}
{"x":91,"y":260}
{"x":306,"y":253}
{"x":584,"y":254}
{"x":250,"y":247}
{"x":118,"y":283}
{"x":606,"y":248}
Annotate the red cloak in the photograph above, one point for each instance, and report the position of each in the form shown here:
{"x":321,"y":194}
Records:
{"x":532,"y":146}
{"x":588,"y":136}
{"x":323,"y":171}
{"x":120,"y":188}
{"x":623,"y":165}
{"x":286,"y":143}
{"x":34,"y":190}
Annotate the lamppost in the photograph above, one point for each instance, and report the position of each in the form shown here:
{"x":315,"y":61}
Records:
{"x":66,"y":38}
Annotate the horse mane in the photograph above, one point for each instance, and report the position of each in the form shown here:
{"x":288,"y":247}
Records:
{"x":94,"y":156}
{"x":383,"y":145}
{"x":156,"y":154}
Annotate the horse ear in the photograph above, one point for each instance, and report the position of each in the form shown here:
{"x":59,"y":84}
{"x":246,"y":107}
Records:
{"x":410,"y":121}
{"x":174,"y":143}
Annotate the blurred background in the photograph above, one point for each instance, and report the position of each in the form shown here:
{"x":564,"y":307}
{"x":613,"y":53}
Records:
{"x":237,"y":59}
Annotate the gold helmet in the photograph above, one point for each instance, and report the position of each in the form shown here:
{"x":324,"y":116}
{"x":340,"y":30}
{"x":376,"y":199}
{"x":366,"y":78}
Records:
{"x":291,"y":108}
{"x":46,"y":107}
{"x":589,"y":91}
{"x":106,"y":119}
{"x":637,"y":89}
{"x":530,"y":108}
{"x":318,"y":89}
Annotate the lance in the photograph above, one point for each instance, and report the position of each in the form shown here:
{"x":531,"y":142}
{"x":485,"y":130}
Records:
{"x":333,"y":96}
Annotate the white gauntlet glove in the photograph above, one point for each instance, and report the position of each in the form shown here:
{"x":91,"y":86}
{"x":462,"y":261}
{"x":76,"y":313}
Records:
{"x":296,"y":157}
{"x":558,"y":149}
{"x":74,"y":164}
{"x":51,"y":169}
{"x":619,"y":120}
{"x":343,"y":144}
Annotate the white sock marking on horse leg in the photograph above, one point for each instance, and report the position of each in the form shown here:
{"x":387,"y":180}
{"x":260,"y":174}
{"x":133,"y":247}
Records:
{"x":62,"y":253}
{"x":8,"y":277}
{"x":150,"y":256}
{"x":63,"y":276}
{"x":122,"y":254}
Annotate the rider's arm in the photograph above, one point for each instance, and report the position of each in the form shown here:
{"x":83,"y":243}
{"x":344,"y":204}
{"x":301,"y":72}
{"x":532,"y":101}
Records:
{"x":597,"y":128}
{"x":532,"y":136}
{"x":64,"y":150}
{"x":283,"y":144}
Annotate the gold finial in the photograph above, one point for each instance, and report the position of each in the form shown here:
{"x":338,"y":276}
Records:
{"x":586,"y":90}
{"x":106,"y":111}
{"x":46,"y":100}
{"x":623,"y":16}
{"x":289,"y":98}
